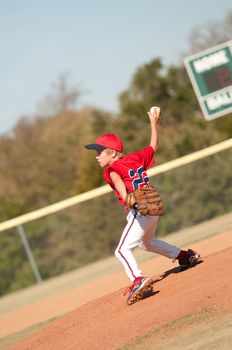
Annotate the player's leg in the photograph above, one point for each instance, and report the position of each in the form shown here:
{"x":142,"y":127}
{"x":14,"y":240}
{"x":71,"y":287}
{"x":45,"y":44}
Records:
{"x":130,"y":239}
{"x":151,"y":244}
{"x":186,"y":258}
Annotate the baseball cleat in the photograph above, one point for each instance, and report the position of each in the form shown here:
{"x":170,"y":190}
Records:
{"x":190,"y":260}
{"x":139,"y":288}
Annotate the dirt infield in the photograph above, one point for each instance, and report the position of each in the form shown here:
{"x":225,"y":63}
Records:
{"x":107,"y":323}
{"x":85,"y":308}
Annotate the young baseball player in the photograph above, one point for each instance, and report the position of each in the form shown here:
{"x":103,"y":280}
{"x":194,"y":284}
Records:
{"x":125,"y":173}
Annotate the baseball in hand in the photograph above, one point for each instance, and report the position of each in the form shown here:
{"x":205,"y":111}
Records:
{"x":154,"y":110}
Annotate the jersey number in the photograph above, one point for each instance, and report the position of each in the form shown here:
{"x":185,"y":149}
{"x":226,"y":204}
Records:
{"x":140,"y":177}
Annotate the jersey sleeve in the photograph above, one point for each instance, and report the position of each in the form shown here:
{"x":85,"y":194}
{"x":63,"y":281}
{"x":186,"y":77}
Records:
{"x":114,"y":167}
{"x":110,"y":182}
{"x":145,"y":157}
{"x":106,"y":175}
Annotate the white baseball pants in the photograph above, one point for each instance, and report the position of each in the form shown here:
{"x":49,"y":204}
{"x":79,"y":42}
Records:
{"x":139,"y":232}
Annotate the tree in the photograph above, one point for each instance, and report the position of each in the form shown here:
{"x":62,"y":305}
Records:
{"x":210,"y":34}
{"x":44,"y":160}
{"x":62,"y":99}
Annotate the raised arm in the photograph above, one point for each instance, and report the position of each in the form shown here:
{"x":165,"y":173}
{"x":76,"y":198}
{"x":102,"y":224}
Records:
{"x":154,"y":115}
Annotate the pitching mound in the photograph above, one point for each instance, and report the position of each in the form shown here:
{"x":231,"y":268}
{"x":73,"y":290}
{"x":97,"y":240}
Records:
{"x":179,"y":298}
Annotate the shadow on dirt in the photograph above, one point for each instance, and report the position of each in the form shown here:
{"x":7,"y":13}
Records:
{"x":150,"y":293}
{"x":177,"y":269}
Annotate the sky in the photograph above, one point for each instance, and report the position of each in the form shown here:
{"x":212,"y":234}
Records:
{"x":98,"y":43}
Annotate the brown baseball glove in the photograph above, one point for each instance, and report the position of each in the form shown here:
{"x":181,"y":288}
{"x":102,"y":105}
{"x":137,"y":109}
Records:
{"x":146,"y":201}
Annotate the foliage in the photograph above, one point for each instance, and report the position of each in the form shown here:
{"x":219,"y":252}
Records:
{"x":211,"y":34}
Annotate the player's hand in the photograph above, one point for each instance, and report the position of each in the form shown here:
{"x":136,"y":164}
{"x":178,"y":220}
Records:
{"x":154,"y":114}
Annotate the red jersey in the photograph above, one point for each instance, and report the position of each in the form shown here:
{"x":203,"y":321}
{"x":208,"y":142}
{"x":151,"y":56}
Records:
{"x":132,"y":170}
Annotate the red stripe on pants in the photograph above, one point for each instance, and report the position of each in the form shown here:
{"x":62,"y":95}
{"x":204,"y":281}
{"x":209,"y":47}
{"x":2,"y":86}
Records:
{"x":121,"y":247}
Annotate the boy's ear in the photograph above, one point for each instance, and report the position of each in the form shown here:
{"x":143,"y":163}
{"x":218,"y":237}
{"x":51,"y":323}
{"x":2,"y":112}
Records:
{"x":114,"y":153}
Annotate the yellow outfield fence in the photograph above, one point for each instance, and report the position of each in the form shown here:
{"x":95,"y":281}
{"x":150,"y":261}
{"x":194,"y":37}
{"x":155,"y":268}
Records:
{"x":53,"y":208}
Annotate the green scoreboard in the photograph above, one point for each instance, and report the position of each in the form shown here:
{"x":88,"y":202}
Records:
{"x":210,"y":72}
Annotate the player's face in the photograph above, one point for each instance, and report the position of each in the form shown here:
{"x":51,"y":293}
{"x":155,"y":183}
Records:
{"x":104,"y":158}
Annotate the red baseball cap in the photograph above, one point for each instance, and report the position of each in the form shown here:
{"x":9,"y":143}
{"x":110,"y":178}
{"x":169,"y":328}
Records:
{"x":110,"y":141}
